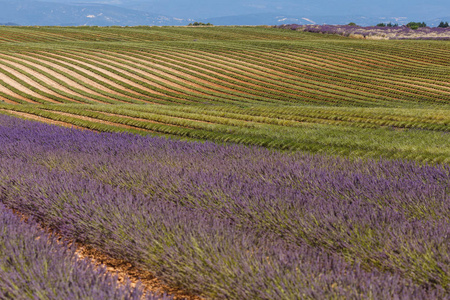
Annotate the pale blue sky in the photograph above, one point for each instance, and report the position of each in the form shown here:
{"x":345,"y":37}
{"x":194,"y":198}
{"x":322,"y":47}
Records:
{"x":214,"y":8}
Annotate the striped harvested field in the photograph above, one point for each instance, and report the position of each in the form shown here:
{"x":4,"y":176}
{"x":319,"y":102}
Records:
{"x":253,"y":85}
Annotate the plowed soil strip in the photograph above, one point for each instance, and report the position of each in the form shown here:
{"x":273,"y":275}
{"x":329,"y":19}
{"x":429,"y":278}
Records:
{"x":210,"y":84}
{"x":105,"y":82}
{"x":144,"y":73}
{"x":78,"y":77}
{"x":123,"y":269}
{"x":5,"y":100}
{"x":57,"y":75}
{"x":8,"y":92}
{"x":44,"y":79}
{"x":86,"y":66}
{"x":28,"y":80}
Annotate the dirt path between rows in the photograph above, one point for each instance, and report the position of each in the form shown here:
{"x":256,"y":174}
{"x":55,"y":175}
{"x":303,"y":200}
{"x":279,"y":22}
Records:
{"x":11,"y":93}
{"x":20,"y":87}
{"x":105,"y":81}
{"x":55,"y":84}
{"x":76,"y":76}
{"x":123,"y":269}
{"x":6,"y":100}
{"x":211,"y":86}
{"x":132,"y":118}
{"x":144,"y":73}
{"x":156,"y":122}
{"x":110,"y":74}
{"x":43,"y":78}
{"x":29,"y":81}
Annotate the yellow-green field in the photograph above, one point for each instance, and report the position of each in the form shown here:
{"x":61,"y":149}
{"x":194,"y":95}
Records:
{"x":253,"y":85}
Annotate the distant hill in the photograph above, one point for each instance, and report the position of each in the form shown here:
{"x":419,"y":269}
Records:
{"x":304,"y":19}
{"x":9,"y":24}
{"x":29,"y":12}
{"x":201,"y":9}
{"x":163,"y":12}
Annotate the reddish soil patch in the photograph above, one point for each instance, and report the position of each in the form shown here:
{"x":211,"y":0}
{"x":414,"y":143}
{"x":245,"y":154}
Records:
{"x":210,"y":86}
{"x":110,"y":74}
{"x":123,"y":269}
{"x":43,"y":78}
{"x":27,"y":80}
{"x":4,"y":99}
{"x":105,"y":82}
{"x":132,"y":118}
{"x":78,"y":77}
{"x":152,"y":121}
{"x":66,"y":80}
{"x":144,"y":73}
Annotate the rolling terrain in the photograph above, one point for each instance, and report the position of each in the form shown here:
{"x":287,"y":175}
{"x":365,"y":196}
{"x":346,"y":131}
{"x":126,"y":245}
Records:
{"x":263,"y":86}
{"x":227,"y":162}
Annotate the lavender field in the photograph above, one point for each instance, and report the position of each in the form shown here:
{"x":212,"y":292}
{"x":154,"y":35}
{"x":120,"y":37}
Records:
{"x":376,"y":32}
{"x":227,"y":221}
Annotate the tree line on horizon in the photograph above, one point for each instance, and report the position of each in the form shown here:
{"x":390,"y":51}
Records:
{"x":412,"y":25}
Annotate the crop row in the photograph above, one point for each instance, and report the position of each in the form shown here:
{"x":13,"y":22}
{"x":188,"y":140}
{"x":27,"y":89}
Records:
{"x":297,"y":63}
{"x":234,"y":222}
{"x":287,"y":84}
{"x":35,"y":265}
{"x":135,"y":34}
{"x":306,"y":71}
{"x":391,"y":133}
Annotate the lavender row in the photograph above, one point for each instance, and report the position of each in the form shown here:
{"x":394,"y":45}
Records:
{"x":236,"y":222}
{"x":34,"y":265}
{"x":375,"y":32}
{"x":199,"y":250}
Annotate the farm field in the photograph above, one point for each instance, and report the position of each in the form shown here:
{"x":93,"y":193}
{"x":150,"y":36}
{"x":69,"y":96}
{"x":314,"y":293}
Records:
{"x":230,"y":162}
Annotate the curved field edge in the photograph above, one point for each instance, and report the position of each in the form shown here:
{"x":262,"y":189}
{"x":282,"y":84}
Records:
{"x":257,"y":66}
{"x":415,"y":134}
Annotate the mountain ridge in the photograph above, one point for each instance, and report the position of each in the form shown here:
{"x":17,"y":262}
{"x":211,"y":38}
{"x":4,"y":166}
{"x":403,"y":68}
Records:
{"x":92,"y":13}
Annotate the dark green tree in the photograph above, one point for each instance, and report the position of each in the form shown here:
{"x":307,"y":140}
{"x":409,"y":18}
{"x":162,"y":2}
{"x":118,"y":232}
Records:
{"x":391,"y":25}
{"x":443,"y":25}
{"x":416,"y":25}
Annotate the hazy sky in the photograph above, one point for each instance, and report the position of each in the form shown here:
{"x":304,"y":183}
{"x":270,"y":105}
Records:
{"x":214,"y":8}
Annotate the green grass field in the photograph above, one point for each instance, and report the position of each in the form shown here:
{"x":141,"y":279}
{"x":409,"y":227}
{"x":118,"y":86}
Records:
{"x":276,"y":88}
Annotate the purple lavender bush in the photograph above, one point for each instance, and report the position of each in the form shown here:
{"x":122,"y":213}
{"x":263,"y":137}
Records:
{"x":375,"y":32}
{"x":34,"y":265}
{"x":237,"y":222}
